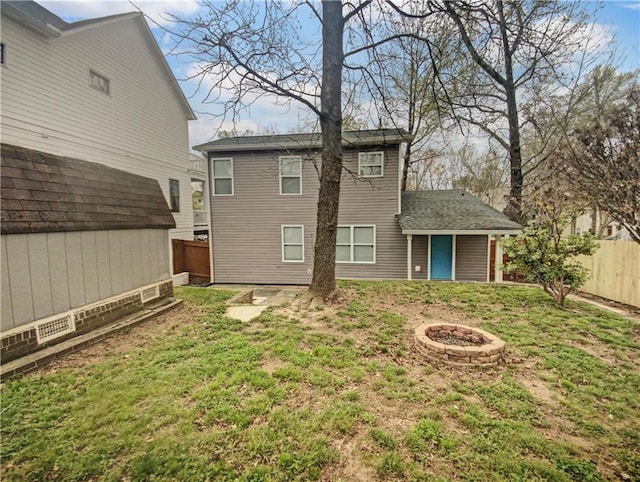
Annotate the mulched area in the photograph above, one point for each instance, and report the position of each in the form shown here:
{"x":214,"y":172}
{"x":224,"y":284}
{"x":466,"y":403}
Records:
{"x":454,"y":340}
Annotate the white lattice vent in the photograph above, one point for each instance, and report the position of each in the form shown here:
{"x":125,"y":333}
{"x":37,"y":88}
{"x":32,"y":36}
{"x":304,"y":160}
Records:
{"x":55,"y":327}
{"x":149,"y":294}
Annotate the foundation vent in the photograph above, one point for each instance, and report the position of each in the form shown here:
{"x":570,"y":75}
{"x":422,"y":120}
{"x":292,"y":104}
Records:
{"x":149,"y":294}
{"x":55,"y":327}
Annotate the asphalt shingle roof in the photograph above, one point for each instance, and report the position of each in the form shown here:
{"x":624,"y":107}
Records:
{"x":450,"y":210}
{"x":305,"y":141}
{"x":46,"y":193}
{"x":41,"y":14}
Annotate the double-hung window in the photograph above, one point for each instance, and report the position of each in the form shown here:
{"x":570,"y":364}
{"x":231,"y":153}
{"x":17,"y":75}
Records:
{"x":222,"y":174}
{"x":371,"y":164}
{"x":290,"y":175}
{"x":293,"y":243}
{"x":356,"y":244}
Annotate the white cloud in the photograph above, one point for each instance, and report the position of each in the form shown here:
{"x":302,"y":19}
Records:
{"x":630,"y":6}
{"x":73,"y":10}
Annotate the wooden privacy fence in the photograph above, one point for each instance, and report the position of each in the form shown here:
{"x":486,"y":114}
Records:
{"x":191,"y":256}
{"x":614,"y":271}
{"x":517,"y":277}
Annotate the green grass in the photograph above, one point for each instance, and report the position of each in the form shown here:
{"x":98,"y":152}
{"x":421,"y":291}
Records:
{"x":345,"y":397}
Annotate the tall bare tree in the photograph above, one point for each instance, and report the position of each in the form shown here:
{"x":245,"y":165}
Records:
{"x":602,"y":161}
{"x":512,"y":51}
{"x":410,"y":67}
{"x":245,"y":49}
{"x":483,"y":174}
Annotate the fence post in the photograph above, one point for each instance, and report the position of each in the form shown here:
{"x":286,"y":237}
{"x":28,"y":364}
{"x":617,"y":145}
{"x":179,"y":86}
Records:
{"x":177,"y":246}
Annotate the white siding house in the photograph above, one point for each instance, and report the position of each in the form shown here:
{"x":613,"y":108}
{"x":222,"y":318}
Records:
{"x":98,"y":90}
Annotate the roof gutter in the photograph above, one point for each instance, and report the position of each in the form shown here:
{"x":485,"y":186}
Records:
{"x":45,"y":29}
{"x":425,"y":232}
{"x":292,"y":144}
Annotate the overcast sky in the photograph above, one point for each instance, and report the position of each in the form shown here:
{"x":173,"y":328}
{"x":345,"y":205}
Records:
{"x":619,"y":18}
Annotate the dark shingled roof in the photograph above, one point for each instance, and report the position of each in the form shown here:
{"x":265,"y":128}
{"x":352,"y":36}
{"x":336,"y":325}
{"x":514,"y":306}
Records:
{"x":305,"y":141}
{"x":46,"y":193}
{"x":36,"y":12}
{"x":450,"y":210}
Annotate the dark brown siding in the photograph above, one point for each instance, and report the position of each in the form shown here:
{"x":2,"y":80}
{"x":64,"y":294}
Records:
{"x":246,"y":227}
{"x":471,"y":257}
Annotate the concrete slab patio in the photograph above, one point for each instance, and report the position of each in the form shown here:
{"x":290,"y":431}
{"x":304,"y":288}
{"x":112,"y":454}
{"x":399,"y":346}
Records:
{"x":263,"y":297}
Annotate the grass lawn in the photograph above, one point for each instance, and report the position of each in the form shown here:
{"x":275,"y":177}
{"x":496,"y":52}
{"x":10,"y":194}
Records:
{"x":338,"y":394}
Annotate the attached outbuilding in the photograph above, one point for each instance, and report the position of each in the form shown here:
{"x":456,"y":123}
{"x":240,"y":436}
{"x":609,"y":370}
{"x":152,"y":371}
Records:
{"x":82,"y":246}
{"x":449,"y":235}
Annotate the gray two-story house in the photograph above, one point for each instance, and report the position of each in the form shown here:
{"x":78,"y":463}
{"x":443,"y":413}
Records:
{"x":264,"y":194}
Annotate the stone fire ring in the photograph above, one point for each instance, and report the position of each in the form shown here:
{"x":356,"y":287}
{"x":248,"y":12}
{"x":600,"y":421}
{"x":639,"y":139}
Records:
{"x":486,"y":354}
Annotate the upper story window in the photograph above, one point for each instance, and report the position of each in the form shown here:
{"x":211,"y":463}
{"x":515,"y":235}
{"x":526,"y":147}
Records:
{"x":290,"y":175}
{"x":174,"y":195}
{"x":370,"y":164}
{"x":293,"y":243}
{"x":99,"y":82}
{"x":3,"y":53}
{"x":356,"y":244}
{"x":222,"y":174}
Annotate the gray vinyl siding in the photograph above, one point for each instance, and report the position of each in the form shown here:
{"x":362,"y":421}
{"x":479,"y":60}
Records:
{"x":45,"y":274}
{"x":419,"y":257}
{"x":471,"y":257}
{"x":246,"y":227}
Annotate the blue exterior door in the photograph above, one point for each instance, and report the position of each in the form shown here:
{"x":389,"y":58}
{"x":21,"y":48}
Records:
{"x":441,"y":256}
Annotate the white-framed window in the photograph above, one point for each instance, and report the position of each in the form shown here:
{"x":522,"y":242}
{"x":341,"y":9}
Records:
{"x":371,"y":164}
{"x":290,"y":168}
{"x":356,"y":244}
{"x":222,"y":174}
{"x":293,"y":243}
{"x":99,"y":82}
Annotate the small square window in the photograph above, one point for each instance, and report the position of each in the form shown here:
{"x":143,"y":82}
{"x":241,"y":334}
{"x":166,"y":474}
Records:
{"x":174,"y":195}
{"x":370,"y":164}
{"x":99,"y":82}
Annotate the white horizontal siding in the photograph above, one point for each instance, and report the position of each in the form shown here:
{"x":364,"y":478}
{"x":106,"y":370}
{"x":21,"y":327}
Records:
{"x":48,"y":105}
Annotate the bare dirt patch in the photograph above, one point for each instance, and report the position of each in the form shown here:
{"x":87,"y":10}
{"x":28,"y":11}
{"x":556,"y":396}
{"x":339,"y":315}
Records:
{"x":137,"y":337}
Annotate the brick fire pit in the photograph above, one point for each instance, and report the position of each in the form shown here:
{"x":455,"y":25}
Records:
{"x":458,"y":344}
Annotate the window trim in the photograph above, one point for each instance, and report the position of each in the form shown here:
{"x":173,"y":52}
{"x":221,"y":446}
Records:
{"x":282,"y":228}
{"x":3,"y":53}
{"x":281,"y":177}
{"x":92,"y":73}
{"x":352,"y":243}
{"x":176,"y":208}
{"x":361,"y":154}
{"x":213,"y":176}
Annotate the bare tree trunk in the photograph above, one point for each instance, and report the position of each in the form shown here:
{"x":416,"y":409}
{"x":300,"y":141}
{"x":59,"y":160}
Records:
{"x":323,"y":282}
{"x":514,"y":208}
{"x":407,"y":163}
